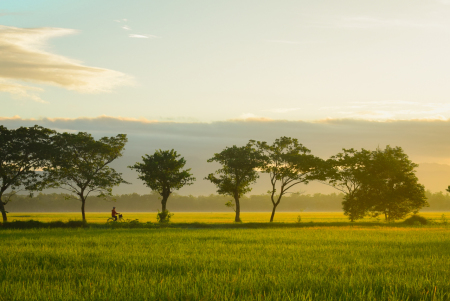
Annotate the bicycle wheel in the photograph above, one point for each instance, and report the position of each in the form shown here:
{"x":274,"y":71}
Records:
{"x":110,"y":220}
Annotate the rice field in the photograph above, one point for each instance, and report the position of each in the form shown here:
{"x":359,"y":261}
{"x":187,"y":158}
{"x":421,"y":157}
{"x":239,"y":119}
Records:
{"x":213,"y":217}
{"x":308,"y":262}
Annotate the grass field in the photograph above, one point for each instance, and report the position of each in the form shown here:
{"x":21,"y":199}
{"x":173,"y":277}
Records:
{"x":213,"y":217}
{"x":308,"y":262}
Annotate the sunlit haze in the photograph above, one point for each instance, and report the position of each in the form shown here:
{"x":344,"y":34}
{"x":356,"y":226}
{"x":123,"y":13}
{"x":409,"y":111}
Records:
{"x":201,"y":75}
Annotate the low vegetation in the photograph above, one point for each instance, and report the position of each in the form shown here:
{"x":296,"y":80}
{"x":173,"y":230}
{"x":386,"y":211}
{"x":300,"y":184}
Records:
{"x":281,"y":261}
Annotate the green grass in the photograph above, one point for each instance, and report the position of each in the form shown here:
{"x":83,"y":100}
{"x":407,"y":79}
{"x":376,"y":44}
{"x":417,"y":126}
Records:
{"x":299,"y":262}
{"x":212,"y":218}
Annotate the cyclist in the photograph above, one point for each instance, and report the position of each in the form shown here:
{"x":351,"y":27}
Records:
{"x":114,"y":214}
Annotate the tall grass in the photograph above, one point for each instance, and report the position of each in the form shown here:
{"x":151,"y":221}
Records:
{"x":309,"y":263}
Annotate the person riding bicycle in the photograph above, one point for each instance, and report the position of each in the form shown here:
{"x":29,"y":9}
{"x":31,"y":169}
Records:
{"x":114,"y":214}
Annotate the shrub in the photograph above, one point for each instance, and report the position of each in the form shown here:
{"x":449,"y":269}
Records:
{"x":444,"y":219}
{"x":164,"y":216}
{"x":416,"y":219}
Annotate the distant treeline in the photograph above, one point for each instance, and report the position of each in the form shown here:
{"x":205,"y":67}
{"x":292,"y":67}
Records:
{"x":213,"y":203}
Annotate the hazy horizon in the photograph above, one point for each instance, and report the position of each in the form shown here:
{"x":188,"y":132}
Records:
{"x":198,"y":77}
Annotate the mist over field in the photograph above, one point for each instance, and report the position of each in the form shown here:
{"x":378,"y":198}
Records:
{"x":423,"y":141}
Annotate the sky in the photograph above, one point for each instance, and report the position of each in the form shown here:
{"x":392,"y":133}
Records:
{"x":204,"y":61}
{"x":198,"y":76}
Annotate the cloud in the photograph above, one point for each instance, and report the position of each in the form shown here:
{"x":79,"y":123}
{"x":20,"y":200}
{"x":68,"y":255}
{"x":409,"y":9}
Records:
{"x":423,"y":141}
{"x":140,"y":36}
{"x":126,"y":27}
{"x":391,"y":110}
{"x":24,"y":58}
{"x":21,"y":91}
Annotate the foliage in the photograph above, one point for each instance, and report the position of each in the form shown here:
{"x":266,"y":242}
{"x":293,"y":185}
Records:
{"x":231,"y":204}
{"x":444,"y":219}
{"x":377,"y":182}
{"x":346,"y":172}
{"x":34,"y":224}
{"x":393,"y":189}
{"x":163,"y":216}
{"x":162,"y":172}
{"x":80,"y":165}
{"x":288,"y":163}
{"x":238,"y":172}
{"x":416,"y":219}
{"x":23,"y":152}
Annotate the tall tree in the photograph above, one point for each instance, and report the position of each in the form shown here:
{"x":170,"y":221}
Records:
{"x":288,"y":163}
{"x":347,"y":172}
{"x":80,"y":165}
{"x":238,"y":172}
{"x":162,"y":172}
{"x":23,"y":152}
{"x":392,"y":187}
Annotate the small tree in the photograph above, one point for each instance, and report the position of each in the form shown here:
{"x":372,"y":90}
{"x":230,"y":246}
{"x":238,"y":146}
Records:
{"x":162,"y":172}
{"x":288,"y":163}
{"x":23,"y":152}
{"x":347,"y":172}
{"x":238,"y":172}
{"x":393,"y":189}
{"x":80,"y":165}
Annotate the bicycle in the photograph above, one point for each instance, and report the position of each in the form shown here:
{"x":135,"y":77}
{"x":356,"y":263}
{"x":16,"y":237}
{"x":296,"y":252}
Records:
{"x":119,"y":219}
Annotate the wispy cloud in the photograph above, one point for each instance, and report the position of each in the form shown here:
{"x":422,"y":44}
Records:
{"x":21,"y":91}
{"x":142,"y":36}
{"x":23,"y":59}
{"x":126,"y":27}
{"x":391,"y":110}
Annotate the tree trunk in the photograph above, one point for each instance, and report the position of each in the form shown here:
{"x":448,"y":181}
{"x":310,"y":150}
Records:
{"x":2,"y":209}
{"x":164,"y":203}
{"x":237,"y":219}
{"x":273,"y":212}
{"x":83,"y":202}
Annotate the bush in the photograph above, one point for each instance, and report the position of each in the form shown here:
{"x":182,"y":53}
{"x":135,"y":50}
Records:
{"x":164,"y":216}
{"x":416,"y":219}
{"x":32,"y":224}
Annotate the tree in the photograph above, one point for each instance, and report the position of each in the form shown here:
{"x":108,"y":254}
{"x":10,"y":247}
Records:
{"x":288,"y":163}
{"x":80,"y":165}
{"x":23,"y":152}
{"x":238,"y":172}
{"x":347,"y":172}
{"x":392,"y":187}
{"x":162,"y":172}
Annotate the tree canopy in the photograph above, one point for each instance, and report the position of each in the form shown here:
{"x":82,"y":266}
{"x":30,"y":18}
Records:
{"x":288,"y":163}
{"x":23,"y":153}
{"x":391,"y":186}
{"x":163,"y":172}
{"x":238,"y":172}
{"x":346,"y":171}
{"x":80,"y":165}
{"x":376,"y":182}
